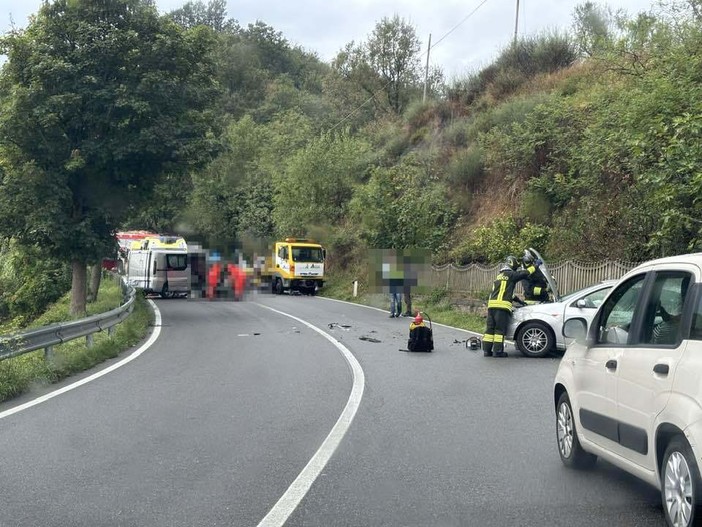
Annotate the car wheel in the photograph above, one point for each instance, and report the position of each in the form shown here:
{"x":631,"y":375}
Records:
{"x":680,"y":484}
{"x":164,"y":292}
{"x":535,"y":339}
{"x":278,"y":286}
{"x":569,"y":448}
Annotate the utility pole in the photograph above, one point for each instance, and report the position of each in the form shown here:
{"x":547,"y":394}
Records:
{"x":426,"y":71}
{"x":516,"y":24}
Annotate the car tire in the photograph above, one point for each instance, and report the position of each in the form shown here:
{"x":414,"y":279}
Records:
{"x":278,"y":286}
{"x":535,"y":339}
{"x":680,"y":485}
{"x":164,"y":291}
{"x":569,"y":448}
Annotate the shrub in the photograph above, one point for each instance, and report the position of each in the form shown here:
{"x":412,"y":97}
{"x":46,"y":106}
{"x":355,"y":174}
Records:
{"x":29,"y":281}
{"x":438,"y":296}
{"x":456,"y":134}
{"x":535,"y":207}
{"x":419,"y":114}
{"x":397,"y":146}
{"x":515,"y":110}
{"x":544,"y":53}
{"x":466,"y":168}
{"x":494,"y":241}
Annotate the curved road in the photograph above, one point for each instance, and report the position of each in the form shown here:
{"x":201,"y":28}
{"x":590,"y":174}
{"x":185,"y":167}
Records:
{"x":212,"y":424}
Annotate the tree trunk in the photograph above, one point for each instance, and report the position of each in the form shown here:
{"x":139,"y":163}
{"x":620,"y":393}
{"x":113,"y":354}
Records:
{"x":94,"y":285}
{"x":78,"y":287}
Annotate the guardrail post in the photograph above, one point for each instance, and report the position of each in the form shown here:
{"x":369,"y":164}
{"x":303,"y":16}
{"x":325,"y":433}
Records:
{"x":48,"y":353}
{"x":89,"y":340}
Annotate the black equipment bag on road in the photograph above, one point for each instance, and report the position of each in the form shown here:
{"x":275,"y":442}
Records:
{"x":421,"y":339}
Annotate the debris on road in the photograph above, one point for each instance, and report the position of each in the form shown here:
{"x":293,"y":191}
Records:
{"x":345,"y":327}
{"x":472,"y":343}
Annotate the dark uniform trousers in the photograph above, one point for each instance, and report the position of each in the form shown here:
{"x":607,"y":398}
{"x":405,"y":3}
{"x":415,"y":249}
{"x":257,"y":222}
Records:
{"x":494,"y":337}
{"x":500,"y":308}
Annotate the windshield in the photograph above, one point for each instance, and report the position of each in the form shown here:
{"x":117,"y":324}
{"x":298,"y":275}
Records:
{"x":571,"y":296}
{"x":307,"y":254}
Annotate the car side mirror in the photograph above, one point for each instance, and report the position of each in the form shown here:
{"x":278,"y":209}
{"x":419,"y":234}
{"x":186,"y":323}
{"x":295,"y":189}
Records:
{"x":575,"y":328}
{"x":581,"y":303}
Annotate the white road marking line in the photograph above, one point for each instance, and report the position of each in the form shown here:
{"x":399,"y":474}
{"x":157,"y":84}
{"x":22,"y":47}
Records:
{"x":142,"y":349}
{"x":297,"y":490}
{"x":385,"y":311}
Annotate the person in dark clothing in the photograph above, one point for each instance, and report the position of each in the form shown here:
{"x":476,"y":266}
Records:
{"x":500,"y":305}
{"x":535,"y":285}
{"x":407,"y":290}
{"x":395,"y":300}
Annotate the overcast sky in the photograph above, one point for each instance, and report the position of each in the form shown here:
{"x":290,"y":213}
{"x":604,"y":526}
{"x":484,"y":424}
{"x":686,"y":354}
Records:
{"x":481,"y":28}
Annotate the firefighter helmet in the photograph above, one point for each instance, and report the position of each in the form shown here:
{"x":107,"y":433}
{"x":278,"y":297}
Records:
{"x":511,"y":262}
{"x":528,"y":257}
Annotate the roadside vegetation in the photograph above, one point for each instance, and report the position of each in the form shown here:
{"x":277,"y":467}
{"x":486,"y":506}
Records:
{"x":26,"y":372}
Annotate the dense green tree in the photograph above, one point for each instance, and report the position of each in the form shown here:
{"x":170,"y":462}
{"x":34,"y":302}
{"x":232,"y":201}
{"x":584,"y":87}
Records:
{"x":29,"y":280}
{"x":318,"y":183}
{"x":386,"y":66}
{"x":215,"y":199}
{"x":98,"y":100}
{"x":259,"y":70}
{"x":212,"y":14}
{"x":403,"y":206}
{"x":594,"y":27}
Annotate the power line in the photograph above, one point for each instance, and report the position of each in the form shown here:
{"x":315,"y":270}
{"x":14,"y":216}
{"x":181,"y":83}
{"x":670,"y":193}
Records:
{"x":354,"y":111}
{"x":460,"y":23}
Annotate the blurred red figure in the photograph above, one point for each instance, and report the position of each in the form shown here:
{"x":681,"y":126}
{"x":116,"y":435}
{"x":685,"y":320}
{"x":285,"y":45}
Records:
{"x":225,"y":281}
{"x":238,"y":280}
{"x":213,"y":275}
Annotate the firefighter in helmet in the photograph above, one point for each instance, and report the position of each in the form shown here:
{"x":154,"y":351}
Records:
{"x":500,"y":305}
{"x":535,"y":285}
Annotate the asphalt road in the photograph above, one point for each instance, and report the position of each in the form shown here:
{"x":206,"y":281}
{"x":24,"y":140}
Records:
{"x":212,"y":424}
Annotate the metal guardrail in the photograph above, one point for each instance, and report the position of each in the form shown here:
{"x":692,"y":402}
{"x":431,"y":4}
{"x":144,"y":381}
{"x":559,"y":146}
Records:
{"x":49,"y":336}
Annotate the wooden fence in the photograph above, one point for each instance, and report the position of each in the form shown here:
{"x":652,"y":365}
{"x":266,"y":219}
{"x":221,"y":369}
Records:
{"x":569,"y":275}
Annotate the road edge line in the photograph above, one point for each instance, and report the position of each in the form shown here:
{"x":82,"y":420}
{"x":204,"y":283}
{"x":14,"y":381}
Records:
{"x":297,"y":490}
{"x":154,"y":335}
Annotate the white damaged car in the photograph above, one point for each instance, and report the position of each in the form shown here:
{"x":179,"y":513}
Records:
{"x":537,"y":329}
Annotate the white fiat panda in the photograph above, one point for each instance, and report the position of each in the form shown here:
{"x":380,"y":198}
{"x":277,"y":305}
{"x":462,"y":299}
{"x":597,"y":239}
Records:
{"x":630,"y":390}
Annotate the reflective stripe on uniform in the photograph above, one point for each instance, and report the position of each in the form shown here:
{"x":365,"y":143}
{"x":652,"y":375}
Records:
{"x":488,"y":338}
{"x":500,"y":304}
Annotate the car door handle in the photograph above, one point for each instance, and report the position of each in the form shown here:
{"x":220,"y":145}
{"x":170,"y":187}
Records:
{"x":611,"y":364}
{"x":663,"y":369}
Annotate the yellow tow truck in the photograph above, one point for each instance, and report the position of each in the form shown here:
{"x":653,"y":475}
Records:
{"x":297,"y":264}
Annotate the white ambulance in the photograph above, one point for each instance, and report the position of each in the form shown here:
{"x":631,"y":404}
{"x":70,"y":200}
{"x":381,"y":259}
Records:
{"x":160,"y":264}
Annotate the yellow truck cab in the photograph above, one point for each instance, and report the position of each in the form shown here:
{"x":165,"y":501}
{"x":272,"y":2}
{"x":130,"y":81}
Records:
{"x":297,"y":265}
